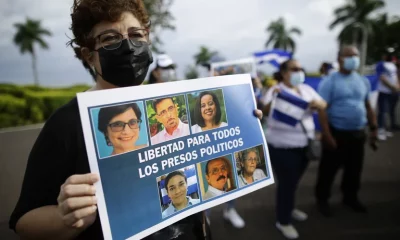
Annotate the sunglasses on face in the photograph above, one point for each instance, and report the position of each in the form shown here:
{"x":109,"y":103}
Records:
{"x":296,"y":69}
{"x":120,"y":126}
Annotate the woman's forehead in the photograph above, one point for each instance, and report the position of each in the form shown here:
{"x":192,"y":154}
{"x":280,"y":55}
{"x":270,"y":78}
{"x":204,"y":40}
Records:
{"x":126,"y":21}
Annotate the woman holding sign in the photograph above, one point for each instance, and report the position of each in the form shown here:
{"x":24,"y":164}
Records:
{"x":57,"y":201}
{"x":58,"y":195}
{"x":287,"y":141}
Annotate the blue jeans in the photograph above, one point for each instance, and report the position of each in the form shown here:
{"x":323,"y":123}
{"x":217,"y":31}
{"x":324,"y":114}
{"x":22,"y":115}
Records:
{"x":387,"y":104}
{"x":289,"y":165}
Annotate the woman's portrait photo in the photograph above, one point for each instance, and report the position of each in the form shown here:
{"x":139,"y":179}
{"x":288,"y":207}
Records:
{"x":178,"y":190}
{"x":119,"y":128}
{"x":251,"y":165}
{"x":207,"y":110}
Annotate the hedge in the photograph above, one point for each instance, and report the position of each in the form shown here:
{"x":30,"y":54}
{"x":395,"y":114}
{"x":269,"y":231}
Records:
{"x":22,"y":105}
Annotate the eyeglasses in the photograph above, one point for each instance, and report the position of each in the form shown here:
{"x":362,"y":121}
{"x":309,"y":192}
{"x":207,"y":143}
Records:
{"x":216,"y":171}
{"x":164,"y":113}
{"x":252,"y":160}
{"x":120,"y":126}
{"x":113,"y":40}
{"x":296,"y":69}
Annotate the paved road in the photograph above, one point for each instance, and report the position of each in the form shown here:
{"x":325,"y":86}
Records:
{"x":380,"y":191}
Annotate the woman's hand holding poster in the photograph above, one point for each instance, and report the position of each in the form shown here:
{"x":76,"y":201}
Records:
{"x":166,"y":151}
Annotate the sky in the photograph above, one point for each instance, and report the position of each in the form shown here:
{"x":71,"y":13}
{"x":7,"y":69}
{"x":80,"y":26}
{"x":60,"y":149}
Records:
{"x":234,"y":28}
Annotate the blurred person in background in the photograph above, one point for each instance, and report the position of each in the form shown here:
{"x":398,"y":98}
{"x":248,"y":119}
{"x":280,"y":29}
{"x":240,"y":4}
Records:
{"x":287,"y":144}
{"x":165,"y":70}
{"x":343,"y":131}
{"x":389,"y":89}
{"x":229,"y":213}
{"x":258,"y":89}
{"x":57,"y":198}
{"x":325,"y":69}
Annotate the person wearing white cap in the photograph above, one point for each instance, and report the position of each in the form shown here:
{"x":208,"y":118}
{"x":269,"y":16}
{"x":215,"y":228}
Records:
{"x":164,"y":70}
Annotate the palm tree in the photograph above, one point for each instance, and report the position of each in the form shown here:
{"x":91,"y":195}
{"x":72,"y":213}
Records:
{"x":204,"y":55}
{"x":27,"y":35}
{"x":281,"y":36}
{"x":353,"y":14}
{"x":191,"y":72}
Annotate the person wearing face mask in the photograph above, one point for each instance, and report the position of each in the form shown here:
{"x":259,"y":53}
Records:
{"x":389,"y":88}
{"x":287,"y":144}
{"x":343,"y":131}
{"x":57,"y":200}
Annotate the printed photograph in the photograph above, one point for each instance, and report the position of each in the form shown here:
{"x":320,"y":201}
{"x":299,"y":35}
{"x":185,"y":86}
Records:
{"x":207,"y":110}
{"x":167,"y":118}
{"x":251,"y":166}
{"x":216,"y":176}
{"x":178,"y":190}
{"x":119,"y":128}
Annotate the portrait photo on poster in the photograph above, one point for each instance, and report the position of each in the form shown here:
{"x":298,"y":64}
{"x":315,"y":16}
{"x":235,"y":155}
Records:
{"x":119,"y":128}
{"x":216,"y":176}
{"x":251,"y":165}
{"x":207,"y":110}
{"x":178,"y":190}
{"x":167,"y":118}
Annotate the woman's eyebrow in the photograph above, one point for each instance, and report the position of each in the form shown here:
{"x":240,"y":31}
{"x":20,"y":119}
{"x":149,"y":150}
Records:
{"x":112,"y":30}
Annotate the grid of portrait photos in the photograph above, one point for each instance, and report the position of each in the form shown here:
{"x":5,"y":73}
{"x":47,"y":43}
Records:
{"x":126,"y":127}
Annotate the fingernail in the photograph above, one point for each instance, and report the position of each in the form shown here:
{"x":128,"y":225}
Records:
{"x":95,"y":178}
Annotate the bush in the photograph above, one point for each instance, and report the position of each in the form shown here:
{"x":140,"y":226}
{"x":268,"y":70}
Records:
{"x":21,"y":105}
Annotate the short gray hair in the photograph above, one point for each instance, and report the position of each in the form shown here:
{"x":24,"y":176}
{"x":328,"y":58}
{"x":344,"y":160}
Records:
{"x":246,"y":152}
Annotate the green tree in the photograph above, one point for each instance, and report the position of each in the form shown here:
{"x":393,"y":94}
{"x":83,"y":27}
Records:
{"x":28,"y":34}
{"x":353,"y":14}
{"x":191,"y":72}
{"x":385,"y":37}
{"x":204,"y":55}
{"x":281,"y":35}
{"x":161,"y":19}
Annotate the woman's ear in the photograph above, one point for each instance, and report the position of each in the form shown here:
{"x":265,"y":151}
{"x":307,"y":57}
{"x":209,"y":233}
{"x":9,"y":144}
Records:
{"x":87,"y":56}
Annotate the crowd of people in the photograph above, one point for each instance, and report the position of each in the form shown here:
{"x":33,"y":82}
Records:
{"x":58,"y":201}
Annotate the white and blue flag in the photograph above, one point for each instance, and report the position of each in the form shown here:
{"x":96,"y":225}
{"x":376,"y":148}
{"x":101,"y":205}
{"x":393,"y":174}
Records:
{"x":275,"y":57}
{"x":288,"y":108}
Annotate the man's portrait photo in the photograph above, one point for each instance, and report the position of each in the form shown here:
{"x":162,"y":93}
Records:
{"x":217,"y":177}
{"x":251,"y":165}
{"x":207,"y":110}
{"x":178,"y":190}
{"x":119,"y":128}
{"x":167,"y":118}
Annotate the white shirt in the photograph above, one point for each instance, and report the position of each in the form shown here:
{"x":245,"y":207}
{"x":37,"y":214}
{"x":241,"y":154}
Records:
{"x":388,"y":69}
{"x":212,"y":192}
{"x":163,"y":136}
{"x":196,"y":128}
{"x":281,"y":135}
{"x":257,"y":175}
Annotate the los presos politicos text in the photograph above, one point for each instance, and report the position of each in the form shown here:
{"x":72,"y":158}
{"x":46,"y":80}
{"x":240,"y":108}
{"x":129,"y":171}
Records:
{"x":203,"y":139}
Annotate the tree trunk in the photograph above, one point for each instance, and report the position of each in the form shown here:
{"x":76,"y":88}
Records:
{"x":35,"y":74}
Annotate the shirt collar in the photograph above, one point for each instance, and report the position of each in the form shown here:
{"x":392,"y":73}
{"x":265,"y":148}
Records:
{"x":214,"y":190}
{"x":189,"y":203}
{"x":177,"y":130}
